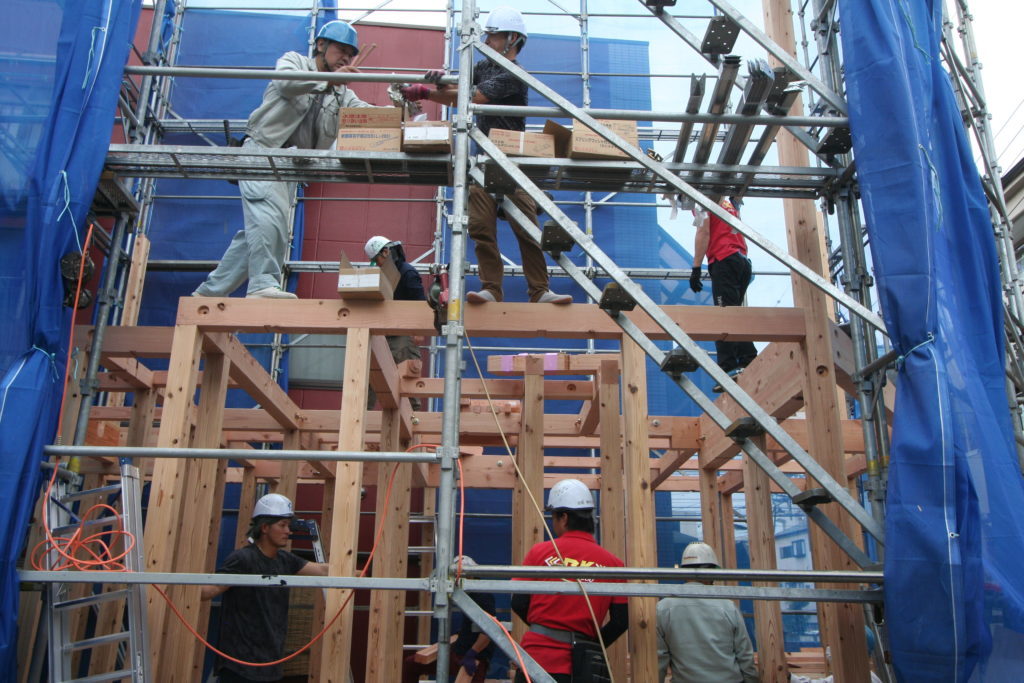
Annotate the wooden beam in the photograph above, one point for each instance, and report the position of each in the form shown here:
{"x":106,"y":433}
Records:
{"x":728,"y":555}
{"x":167,"y":491}
{"x":527,"y":525}
{"x":136,"y":280}
{"x":246,"y":503}
{"x":194,"y":541}
{"x":335,"y":658}
{"x":588,"y":321}
{"x":613,"y":494}
{"x":385,"y":378}
{"x":387,"y":608}
{"x":134,"y":373}
{"x":711,"y":512}
{"x":554,"y":363}
{"x":256,"y":381}
{"x":554,"y":389}
{"x":771,"y":655}
{"x":774,"y":381}
{"x":640,"y":539}
{"x":841,"y":625}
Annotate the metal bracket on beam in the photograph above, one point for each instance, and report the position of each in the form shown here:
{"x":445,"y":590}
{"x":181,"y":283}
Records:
{"x":744,"y":428}
{"x":811,"y":498}
{"x":677,"y":361}
{"x":555,"y":240}
{"x":614,"y":300}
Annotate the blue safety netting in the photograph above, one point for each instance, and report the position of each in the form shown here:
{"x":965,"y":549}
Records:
{"x":61,"y":66}
{"x":954,"y":589}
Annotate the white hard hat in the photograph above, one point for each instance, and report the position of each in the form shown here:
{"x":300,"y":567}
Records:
{"x":699,"y":554}
{"x":375,"y":244}
{"x":467,"y":561}
{"x":506,"y":18}
{"x":570,"y":494}
{"x":273,"y":505}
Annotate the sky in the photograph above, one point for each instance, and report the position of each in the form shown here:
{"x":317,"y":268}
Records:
{"x":995,"y":22}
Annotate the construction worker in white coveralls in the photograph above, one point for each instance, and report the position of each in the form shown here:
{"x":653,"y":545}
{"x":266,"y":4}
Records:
{"x":294,"y":114}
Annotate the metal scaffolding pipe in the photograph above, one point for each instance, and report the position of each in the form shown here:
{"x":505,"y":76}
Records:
{"x":236,"y":454}
{"x":667,"y":116}
{"x":654,"y":573}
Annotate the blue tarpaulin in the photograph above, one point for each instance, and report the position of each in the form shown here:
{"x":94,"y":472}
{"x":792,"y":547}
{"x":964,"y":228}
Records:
{"x":55,"y":125}
{"x":954,"y":589}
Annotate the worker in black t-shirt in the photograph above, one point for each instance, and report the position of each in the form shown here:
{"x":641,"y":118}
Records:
{"x":254,"y":619}
{"x":505,"y":33}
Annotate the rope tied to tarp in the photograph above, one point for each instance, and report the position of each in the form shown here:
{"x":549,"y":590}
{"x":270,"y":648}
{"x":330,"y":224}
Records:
{"x":92,"y":53}
{"x":930,"y":338}
{"x":63,"y":175}
{"x":53,"y":361}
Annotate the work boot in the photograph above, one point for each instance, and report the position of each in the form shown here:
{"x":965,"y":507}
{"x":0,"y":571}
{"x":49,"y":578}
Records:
{"x":484,"y":296}
{"x":270,"y":293}
{"x":718,"y":388}
{"x":550,"y":297}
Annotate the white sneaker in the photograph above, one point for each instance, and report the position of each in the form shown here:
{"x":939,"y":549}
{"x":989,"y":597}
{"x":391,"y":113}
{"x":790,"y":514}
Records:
{"x":270,"y":293}
{"x":482,"y":297}
{"x":550,"y":297}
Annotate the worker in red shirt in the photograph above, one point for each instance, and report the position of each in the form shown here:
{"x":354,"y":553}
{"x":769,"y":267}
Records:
{"x":730,"y":273}
{"x":562,"y":630}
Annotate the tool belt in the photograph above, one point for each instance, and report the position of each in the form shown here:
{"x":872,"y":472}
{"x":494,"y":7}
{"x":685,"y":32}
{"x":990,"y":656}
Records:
{"x":588,"y":663}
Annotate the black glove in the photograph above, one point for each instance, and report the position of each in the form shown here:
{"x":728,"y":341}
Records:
{"x":469,"y":662}
{"x":695,"y":284}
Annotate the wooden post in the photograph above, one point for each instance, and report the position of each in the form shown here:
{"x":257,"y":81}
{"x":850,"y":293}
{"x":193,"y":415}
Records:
{"x":169,"y":484}
{"x":613,"y":495}
{"x":288,"y":482}
{"x":771,"y":655}
{"x":387,"y":608}
{"x":246,"y":503}
{"x":336,"y":655}
{"x":728,"y":555}
{"x":136,"y":280}
{"x":527,"y":527}
{"x":194,"y":541}
{"x":640,"y":539}
{"x":841,"y":625}
{"x":711,"y":510}
{"x":319,"y":603}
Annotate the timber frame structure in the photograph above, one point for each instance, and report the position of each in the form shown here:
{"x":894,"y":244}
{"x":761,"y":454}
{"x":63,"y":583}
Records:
{"x":783,"y":427}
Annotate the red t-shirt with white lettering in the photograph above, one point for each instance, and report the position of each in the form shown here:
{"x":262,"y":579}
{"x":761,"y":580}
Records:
{"x":723,"y":241}
{"x":566,"y":612}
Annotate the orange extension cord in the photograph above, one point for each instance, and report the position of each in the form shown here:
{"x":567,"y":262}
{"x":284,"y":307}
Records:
{"x":98,"y":547}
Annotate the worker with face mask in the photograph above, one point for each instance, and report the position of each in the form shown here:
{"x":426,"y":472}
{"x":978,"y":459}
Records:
{"x":409,"y":288}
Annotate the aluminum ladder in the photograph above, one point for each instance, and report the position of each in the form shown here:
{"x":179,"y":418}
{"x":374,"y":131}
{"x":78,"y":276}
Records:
{"x":132,"y":641}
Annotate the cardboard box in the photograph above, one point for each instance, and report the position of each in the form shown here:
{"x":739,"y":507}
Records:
{"x":521,"y":144}
{"x":427,"y":136}
{"x":374,"y":284}
{"x":370,"y":129}
{"x":370,"y":117}
{"x":582,"y":142}
{"x":370,"y":140}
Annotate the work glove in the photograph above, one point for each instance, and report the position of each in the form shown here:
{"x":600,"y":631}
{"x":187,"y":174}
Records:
{"x":415,"y":92}
{"x":434,"y":76}
{"x":469,"y":661}
{"x":695,"y":284}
